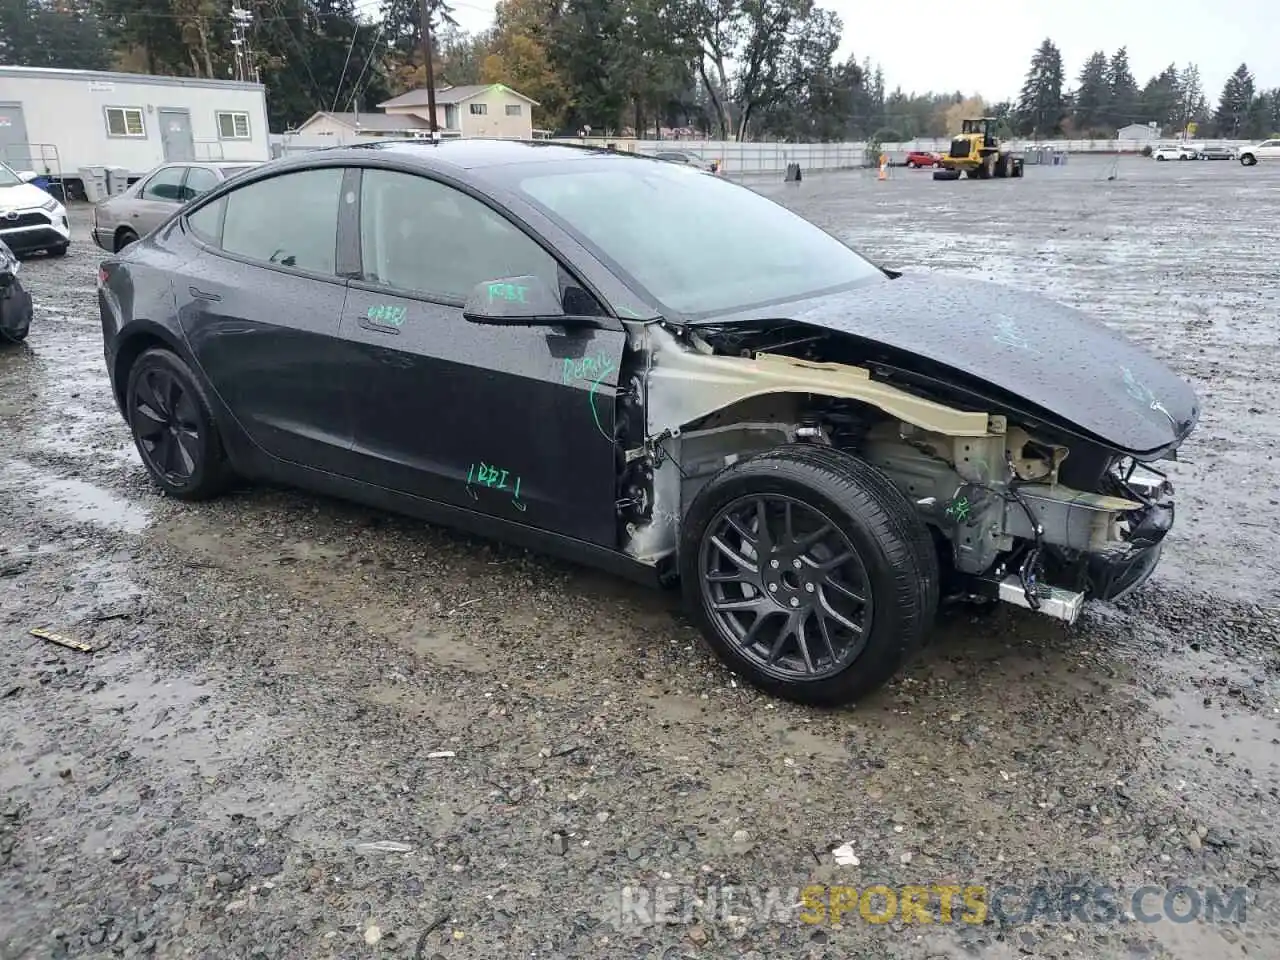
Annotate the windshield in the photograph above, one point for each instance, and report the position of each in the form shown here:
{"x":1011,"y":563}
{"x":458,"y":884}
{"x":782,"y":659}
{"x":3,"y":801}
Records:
{"x":7,"y":177}
{"x":229,"y":172}
{"x":697,"y":244}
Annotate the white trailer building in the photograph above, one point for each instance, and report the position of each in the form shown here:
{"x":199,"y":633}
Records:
{"x":58,"y":122}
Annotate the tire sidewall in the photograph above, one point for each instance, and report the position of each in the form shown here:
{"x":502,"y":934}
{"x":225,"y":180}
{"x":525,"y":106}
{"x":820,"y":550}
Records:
{"x":205,"y":474}
{"x":881,"y":653}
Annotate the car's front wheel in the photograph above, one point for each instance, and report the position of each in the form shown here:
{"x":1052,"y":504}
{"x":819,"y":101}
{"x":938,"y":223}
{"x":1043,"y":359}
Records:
{"x":173,"y":427}
{"x":1248,"y":159}
{"x":808,"y":573}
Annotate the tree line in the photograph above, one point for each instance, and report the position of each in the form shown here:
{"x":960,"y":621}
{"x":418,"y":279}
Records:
{"x":1106,"y":97}
{"x":723,"y":69}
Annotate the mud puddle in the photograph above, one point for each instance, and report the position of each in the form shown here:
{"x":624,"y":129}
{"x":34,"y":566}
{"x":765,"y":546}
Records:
{"x":46,"y":493}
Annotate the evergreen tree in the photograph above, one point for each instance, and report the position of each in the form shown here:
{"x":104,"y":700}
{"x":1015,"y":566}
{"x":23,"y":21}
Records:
{"x":1093,"y":95}
{"x":1160,"y":98}
{"x":1232,"y":118}
{"x":1040,"y":102}
{"x":1123,"y":88}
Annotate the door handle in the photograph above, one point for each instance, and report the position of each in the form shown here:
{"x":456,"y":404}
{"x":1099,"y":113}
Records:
{"x":201,"y":295}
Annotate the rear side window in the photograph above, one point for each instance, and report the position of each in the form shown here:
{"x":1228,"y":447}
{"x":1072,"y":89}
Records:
{"x":165,"y":185}
{"x":291,"y":220}
{"x":424,"y":237}
{"x":199,"y":180}
{"x":206,"y":222}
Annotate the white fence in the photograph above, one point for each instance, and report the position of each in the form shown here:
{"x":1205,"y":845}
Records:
{"x":759,"y":157}
{"x":755,"y":157}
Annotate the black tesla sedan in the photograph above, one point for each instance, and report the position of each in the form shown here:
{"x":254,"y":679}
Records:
{"x":631,"y":364}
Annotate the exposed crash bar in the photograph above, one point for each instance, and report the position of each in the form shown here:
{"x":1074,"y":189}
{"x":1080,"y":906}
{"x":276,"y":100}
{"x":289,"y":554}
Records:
{"x":685,"y":384}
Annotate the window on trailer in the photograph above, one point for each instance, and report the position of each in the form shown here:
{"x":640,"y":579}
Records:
{"x":479,"y":109}
{"x":233,"y":125}
{"x":125,"y":122}
{"x":513,"y":110}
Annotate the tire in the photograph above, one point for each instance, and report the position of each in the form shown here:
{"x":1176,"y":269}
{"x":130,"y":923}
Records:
{"x":945,"y":174}
{"x":1161,"y":159}
{"x":15,"y":313}
{"x":911,"y":164}
{"x":1247,"y":159}
{"x":58,"y":251}
{"x":892,"y":570}
{"x":124,"y":238}
{"x":175,"y":433}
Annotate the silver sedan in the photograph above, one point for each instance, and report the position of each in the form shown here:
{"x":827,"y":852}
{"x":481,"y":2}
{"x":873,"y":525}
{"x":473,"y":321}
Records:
{"x":123,"y":219}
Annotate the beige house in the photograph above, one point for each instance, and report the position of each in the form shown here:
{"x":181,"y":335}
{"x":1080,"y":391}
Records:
{"x":340,"y":129}
{"x":487,"y":110}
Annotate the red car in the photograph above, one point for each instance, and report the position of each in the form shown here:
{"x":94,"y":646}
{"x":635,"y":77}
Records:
{"x":921,"y":158}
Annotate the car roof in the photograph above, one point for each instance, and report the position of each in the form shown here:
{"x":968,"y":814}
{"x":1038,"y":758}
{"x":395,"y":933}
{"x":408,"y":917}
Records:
{"x":472,"y":155}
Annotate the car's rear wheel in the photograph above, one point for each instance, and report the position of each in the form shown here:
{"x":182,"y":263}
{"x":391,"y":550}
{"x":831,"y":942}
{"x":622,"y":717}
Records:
{"x":911,"y":164}
{"x":808,"y":573}
{"x":125,"y":237}
{"x":173,"y":427}
{"x":1248,"y":159}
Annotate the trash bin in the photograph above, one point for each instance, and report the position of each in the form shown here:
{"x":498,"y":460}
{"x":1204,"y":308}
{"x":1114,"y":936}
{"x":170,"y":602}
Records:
{"x":117,"y":180}
{"x":95,"y":183}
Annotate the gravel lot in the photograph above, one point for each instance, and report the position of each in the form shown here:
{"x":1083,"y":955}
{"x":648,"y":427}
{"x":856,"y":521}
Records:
{"x":281,"y":679}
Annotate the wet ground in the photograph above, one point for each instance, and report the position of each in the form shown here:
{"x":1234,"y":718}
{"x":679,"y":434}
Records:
{"x":311,"y":730}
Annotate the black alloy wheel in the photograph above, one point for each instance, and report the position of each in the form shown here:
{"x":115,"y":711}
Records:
{"x":808,"y":573}
{"x":787,"y":586}
{"x":173,"y":427}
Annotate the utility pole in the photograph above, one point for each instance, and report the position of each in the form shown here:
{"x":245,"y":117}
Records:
{"x":431,"y":73}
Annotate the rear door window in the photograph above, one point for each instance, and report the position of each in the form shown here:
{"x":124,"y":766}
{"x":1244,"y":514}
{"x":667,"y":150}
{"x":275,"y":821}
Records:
{"x":290,"y":220}
{"x":199,"y":180}
{"x":165,"y":185}
{"x":423,"y":237}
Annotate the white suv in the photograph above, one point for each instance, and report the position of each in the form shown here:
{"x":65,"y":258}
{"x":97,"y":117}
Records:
{"x":1266,"y":150}
{"x":1174,"y":151}
{"x":31,"y":219}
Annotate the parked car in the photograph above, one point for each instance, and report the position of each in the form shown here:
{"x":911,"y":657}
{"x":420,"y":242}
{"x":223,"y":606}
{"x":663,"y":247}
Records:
{"x":30,"y":218}
{"x":121,"y":220}
{"x":15,"y":302}
{"x":654,"y":372}
{"x":1174,"y":151}
{"x":1216,"y":153}
{"x":921,"y":158}
{"x":1266,"y":150}
{"x":684,"y":156}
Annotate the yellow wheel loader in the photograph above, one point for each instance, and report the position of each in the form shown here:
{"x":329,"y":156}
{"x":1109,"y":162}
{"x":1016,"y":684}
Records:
{"x":977,"y":153}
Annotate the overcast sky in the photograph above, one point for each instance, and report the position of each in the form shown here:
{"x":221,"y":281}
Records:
{"x":922,"y":43}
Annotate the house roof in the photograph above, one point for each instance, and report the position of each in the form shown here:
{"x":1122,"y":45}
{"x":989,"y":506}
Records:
{"x":376,"y":122}
{"x":450,"y":95}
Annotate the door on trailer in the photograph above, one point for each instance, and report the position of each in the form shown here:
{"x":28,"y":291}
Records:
{"x":14,"y":149}
{"x":175,"y":135}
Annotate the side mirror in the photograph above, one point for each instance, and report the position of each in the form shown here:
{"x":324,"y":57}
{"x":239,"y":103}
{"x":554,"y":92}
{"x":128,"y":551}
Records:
{"x":514,"y":301}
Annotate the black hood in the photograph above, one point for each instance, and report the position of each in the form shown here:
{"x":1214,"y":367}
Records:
{"x":1051,"y":358}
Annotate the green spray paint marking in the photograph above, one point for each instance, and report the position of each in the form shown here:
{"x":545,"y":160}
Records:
{"x":494,"y":478}
{"x":595,"y":369}
{"x":586,"y":368}
{"x":1142,"y":393}
{"x":513,"y":292}
{"x":387,"y":314}
{"x":958,"y":509}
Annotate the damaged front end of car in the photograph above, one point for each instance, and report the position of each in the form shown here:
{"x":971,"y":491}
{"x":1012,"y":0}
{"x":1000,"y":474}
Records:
{"x":1023,"y":507}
